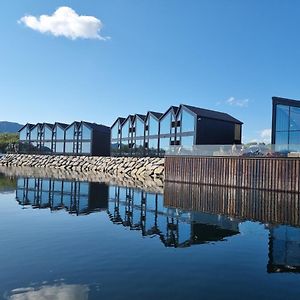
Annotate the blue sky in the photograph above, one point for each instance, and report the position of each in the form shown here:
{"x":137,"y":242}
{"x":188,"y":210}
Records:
{"x":231,"y":56}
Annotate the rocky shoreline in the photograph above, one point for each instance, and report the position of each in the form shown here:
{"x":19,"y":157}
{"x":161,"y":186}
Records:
{"x":134,"y":167}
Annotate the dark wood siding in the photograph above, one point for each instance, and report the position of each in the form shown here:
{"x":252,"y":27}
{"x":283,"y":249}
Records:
{"x":277,"y":174}
{"x":215,"y":132}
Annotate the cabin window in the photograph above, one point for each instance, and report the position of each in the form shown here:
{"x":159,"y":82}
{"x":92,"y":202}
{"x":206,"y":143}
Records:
{"x":125,"y":130}
{"x":47,"y":133}
{"x":86,"y":132}
{"x":237,"y":132}
{"x":139,"y":128}
{"x":59,"y":133}
{"x":115,"y":131}
{"x":187,"y":121}
{"x":70,"y":133}
{"x":23,"y":134}
{"x":153,"y":125}
{"x":165,"y":124}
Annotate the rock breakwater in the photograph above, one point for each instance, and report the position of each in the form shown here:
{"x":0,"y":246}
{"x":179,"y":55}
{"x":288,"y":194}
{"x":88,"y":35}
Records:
{"x":135,"y":167}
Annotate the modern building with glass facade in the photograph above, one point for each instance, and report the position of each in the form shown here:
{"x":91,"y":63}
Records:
{"x":286,"y":124}
{"x":78,"y":138}
{"x":185,"y":125}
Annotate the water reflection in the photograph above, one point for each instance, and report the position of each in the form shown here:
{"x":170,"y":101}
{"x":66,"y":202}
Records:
{"x":74,"y":196}
{"x":146,"y":212}
{"x":185,"y":215}
{"x":55,"y":292}
{"x":284,"y":249}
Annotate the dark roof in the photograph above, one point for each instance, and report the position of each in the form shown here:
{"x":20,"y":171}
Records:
{"x":95,"y":126}
{"x":143,"y":117}
{"x":120,"y":119}
{"x":211,"y":114}
{"x":37,"y":125}
{"x":73,"y":123}
{"x":157,"y":115}
{"x":174,"y":108}
{"x":49,"y":125}
{"x":286,"y":101}
{"x":28,"y":124}
{"x":63,"y":125}
{"x":131,"y":118}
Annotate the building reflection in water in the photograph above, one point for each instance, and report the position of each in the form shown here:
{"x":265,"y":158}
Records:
{"x":278,"y":210}
{"x":74,"y":196}
{"x":146,"y":212}
{"x":184,"y":216}
{"x":284,"y":249}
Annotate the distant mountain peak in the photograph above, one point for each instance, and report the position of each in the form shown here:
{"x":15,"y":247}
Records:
{"x":9,"y":127}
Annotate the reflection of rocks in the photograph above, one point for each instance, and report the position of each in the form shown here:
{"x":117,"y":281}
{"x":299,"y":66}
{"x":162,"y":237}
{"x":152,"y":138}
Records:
{"x":149,"y":184}
{"x":55,"y":292}
{"x":127,"y":166}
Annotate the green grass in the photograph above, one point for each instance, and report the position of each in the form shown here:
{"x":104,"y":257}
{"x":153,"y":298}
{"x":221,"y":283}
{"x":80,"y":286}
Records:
{"x":7,"y":139}
{"x":7,"y":183}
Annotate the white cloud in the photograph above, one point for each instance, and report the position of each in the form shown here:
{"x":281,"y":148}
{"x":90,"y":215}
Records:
{"x":237,"y":102}
{"x":265,"y":134}
{"x":66,"y":22}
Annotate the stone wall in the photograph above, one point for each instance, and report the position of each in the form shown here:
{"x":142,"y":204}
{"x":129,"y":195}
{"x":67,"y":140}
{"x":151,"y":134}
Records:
{"x":135,"y":167}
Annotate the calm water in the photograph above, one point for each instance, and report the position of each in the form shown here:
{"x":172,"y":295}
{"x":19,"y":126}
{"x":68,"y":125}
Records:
{"x":79,"y":240}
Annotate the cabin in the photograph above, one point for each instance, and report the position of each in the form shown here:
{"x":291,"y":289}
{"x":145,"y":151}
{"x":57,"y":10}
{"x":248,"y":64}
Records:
{"x":84,"y":138}
{"x":115,"y":144}
{"x":286,"y":124}
{"x":154,"y":133}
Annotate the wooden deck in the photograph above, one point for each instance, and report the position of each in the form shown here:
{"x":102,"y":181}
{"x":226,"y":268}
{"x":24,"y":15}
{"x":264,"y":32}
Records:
{"x":272,"y":174}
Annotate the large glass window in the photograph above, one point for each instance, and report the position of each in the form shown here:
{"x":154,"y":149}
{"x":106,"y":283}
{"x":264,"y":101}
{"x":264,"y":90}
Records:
{"x":47,"y":133}
{"x":115,"y":131}
{"x":165,"y":124}
{"x":282,"y":118}
{"x":125,"y":129}
{"x":60,"y":135}
{"x":86,"y":133}
{"x":187,"y":141}
{"x":86,"y":147}
{"x":153,"y":126}
{"x":282,"y":138}
{"x":23,"y":134}
{"x":139,"y":128}
{"x":164,"y":144}
{"x":187,"y":121}
{"x":59,"y":148}
{"x":153,"y":144}
{"x":34,"y":133}
{"x":69,"y":147}
{"x":294,"y":137}
{"x":70,"y":133}
{"x":294,"y":118}
{"x":47,"y":147}
{"x":139,"y":147}
{"x":125,"y":147}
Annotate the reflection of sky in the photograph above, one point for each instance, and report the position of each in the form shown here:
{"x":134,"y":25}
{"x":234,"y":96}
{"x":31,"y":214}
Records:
{"x":54,"y":292}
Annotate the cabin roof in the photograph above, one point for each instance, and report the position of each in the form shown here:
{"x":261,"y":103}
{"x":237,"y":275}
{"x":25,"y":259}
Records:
{"x":211,"y":114}
{"x":157,"y":115}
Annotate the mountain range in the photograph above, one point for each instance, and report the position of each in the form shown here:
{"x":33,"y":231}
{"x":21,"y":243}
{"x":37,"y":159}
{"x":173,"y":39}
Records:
{"x":9,"y":127}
